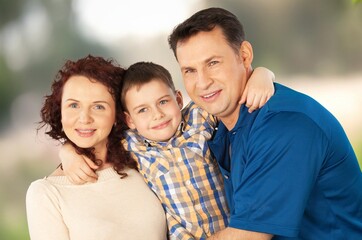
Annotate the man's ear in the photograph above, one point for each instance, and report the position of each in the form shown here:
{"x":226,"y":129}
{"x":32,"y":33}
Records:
{"x":246,"y":53}
{"x":129,"y":121}
{"x":179,"y":98}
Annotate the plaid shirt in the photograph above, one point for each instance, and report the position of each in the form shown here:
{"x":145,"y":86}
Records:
{"x":184,"y":176}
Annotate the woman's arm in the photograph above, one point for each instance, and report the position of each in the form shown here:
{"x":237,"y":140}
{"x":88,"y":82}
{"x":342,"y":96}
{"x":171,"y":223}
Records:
{"x":45,"y":220}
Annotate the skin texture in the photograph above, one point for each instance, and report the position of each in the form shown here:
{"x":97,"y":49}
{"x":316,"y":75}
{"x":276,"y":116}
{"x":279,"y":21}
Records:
{"x":88,"y":113}
{"x":154,"y":110}
{"x":214,"y":74}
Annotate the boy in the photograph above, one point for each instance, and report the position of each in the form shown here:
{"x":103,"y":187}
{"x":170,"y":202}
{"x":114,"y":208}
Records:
{"x":170,"y":145}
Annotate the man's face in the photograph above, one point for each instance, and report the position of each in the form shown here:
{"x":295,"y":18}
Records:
{"x":214,"y":74}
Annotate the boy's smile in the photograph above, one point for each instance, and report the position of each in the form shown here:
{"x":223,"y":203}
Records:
{"x":154,"y":110}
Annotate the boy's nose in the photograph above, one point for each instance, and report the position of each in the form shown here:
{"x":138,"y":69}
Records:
{"x":158,"y":114}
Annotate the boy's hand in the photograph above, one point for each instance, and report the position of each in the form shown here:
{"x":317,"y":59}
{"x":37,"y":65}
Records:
{"x":78,"y":169}
{"x":259,"y":89}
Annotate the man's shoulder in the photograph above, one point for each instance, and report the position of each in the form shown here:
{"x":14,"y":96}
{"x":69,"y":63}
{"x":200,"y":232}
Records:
{"x":291,"y":100}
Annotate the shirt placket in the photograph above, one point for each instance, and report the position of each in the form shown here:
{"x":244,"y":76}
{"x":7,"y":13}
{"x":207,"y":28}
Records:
{"x":186,"y":170}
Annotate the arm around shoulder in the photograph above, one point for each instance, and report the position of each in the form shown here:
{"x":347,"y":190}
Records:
{"x":259,"y":88}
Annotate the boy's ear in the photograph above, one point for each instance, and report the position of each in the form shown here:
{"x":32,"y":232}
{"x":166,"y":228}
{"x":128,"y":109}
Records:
{"x":179,"y":98}
{"x":129,"y":121}
{"x":246,"y":53}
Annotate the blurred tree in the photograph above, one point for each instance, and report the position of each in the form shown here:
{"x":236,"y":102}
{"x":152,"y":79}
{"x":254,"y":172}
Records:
{"x":302,"y":37}
{"x":10,"y":11}
{"x":36,"y":37}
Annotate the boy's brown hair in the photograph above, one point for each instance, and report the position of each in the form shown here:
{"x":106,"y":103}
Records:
{"x":141,"y":73}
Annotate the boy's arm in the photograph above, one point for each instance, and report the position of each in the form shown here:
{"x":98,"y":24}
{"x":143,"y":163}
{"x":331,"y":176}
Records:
{"x":258,"y":89}
{"x":176,"y":230}
{"x":78,"y":168}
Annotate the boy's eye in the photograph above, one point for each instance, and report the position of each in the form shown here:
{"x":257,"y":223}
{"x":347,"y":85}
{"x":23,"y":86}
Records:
{"x":142,"y":110}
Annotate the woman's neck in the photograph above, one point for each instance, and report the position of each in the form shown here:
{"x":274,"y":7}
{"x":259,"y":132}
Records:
{"x":101,"y":154}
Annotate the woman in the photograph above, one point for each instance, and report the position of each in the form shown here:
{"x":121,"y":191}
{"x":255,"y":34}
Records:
{"x":83,"y":109}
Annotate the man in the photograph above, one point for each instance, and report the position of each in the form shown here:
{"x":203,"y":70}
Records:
{"x":289,"y":169}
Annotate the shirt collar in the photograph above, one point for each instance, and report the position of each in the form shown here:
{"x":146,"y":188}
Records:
{"x":180,"y":130}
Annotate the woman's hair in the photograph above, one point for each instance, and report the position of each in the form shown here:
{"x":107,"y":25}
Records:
{"x":140,"y":73}
{"x":108,"y":73}
{"x":206,"y":20}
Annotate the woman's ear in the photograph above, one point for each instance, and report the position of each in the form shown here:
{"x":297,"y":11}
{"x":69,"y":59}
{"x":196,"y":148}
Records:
{"x":129,"y":121}
{"x":179,"y":98}
{"x":246,"y":53}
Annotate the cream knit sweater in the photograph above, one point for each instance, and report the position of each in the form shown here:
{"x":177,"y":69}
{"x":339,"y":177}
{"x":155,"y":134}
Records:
{"x":112,"y":208}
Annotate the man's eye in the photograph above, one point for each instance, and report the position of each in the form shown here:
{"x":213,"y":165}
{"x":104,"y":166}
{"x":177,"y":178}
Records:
{"x":212,"y":63}
{"x":162,"y":102}
{"x":189,"y":71}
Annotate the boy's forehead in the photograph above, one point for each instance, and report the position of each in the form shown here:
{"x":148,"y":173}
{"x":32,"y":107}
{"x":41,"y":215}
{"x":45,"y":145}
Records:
{"x":151,"y":84}
{"x":147,"y":92}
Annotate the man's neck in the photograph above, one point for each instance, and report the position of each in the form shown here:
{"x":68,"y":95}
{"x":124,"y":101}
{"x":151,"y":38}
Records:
{"x":231,"y":120}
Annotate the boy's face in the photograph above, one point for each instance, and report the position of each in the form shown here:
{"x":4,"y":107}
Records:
{"x":154,"y":110}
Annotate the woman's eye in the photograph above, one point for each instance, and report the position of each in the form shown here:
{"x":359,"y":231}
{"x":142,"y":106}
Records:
{"x":99,"y":107}
{"x":73,"y":105}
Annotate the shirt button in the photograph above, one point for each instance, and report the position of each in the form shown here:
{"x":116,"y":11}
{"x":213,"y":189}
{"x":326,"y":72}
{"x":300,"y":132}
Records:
{"x":188,"y":182}
{"x":226,"y":176}
{"x":198,"y":207}
{"x":179,"y":159}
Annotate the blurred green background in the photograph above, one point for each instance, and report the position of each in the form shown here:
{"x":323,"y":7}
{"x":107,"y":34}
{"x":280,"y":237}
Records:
{"x":312,"y":46}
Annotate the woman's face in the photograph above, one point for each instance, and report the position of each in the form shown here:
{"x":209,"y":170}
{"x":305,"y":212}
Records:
{"x":88,"y":112}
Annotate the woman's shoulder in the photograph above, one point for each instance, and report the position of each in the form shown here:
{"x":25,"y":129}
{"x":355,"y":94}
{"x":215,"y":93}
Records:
{"x":39,"y":188}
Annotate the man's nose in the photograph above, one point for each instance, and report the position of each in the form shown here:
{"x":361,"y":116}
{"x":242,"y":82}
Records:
{"x":203,"y":79}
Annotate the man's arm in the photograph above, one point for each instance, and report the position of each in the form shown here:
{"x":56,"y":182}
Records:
{"x":239,"y":234}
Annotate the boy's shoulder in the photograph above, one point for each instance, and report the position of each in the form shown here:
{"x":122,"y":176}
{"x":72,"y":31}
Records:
{"x":193,"y":114}
{"x":190,"y":108}
{"x":132,"y":140}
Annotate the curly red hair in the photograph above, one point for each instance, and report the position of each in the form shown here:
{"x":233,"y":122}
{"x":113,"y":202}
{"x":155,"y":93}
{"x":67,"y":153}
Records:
{"x":108,"y":73}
